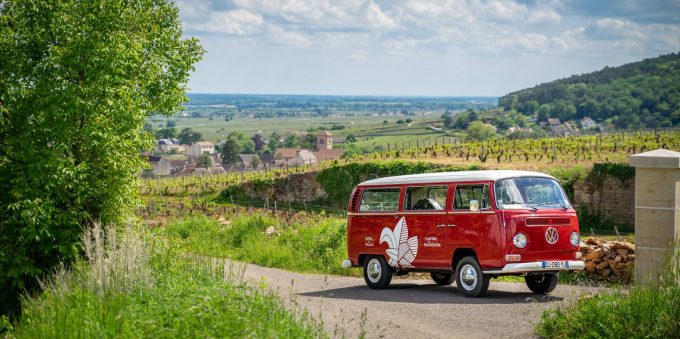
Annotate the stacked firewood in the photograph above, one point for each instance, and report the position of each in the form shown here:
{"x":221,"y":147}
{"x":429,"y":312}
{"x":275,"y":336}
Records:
{"x":610,"y":260}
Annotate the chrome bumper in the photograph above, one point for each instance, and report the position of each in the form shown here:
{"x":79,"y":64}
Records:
{"x":536,"y":266}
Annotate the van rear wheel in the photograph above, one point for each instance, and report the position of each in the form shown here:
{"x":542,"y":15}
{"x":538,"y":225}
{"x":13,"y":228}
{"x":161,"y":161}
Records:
{"x":542,"y":283}
{"x":469,"y":278}
{"x":377,"y":273}
{"x":442,"y":278}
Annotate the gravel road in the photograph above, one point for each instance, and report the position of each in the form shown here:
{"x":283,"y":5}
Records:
{"x":413,"y":308}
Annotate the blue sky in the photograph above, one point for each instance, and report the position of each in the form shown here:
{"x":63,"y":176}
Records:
{"x":417,"y":47}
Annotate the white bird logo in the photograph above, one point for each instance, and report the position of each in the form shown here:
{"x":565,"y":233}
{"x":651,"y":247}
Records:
{"x":401,"y":250}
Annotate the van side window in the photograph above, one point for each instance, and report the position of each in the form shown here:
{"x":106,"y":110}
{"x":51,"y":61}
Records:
{"x":379,"y":199}
{"x":465,"y":193}
{"x":425,"y":198}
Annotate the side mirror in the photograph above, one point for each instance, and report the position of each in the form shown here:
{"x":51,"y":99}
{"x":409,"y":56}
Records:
{"x":474,"y":205}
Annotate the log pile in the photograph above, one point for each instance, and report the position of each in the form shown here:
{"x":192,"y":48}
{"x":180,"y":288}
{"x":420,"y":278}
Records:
{"x":609,"y":260}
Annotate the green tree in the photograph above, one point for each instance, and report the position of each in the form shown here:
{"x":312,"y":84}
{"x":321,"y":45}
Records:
{"x":166,"y":133}
{"x":78,"y":79}
{"x":230,"y":151}
{"x":291,"y":141}
{"x":204,"y":160}
{"x":258,"y":141}
{"x":447,"y":119}
{"x":274,"y":142}
{"x":256,"y":162}
{"x":351,"y":138}
{"x":171,"y":124}
{"x":478,"y":131}
{"x":188,"y":137}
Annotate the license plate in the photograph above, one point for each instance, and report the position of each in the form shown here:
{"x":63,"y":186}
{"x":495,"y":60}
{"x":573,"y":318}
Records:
{"x":555,"y":264}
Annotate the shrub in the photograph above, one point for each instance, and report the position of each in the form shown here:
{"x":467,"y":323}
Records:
{"x":648,"y":311}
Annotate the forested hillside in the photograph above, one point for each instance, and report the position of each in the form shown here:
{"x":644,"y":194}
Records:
{"x":635,"y":95}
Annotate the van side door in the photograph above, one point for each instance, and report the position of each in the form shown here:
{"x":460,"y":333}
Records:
{"x":478,"y":230}
{"x":425,"y":216}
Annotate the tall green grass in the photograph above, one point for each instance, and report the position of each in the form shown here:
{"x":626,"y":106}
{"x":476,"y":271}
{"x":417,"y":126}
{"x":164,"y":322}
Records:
{"x":646,"y":311}
{"x":131,"y":286}
{"x":304,"y":245}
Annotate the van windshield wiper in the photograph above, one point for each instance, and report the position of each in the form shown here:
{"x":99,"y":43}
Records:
{"x":534,"y":207}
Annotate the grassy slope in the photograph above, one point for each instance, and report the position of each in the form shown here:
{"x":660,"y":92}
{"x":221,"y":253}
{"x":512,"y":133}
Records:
{"x":308,"y":244}
{"x":159,"y":294}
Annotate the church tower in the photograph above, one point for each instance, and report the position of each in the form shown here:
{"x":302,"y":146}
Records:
{"x":324,"y":140}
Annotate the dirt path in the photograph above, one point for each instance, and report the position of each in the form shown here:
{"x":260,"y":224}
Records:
{"x":413,"y":308}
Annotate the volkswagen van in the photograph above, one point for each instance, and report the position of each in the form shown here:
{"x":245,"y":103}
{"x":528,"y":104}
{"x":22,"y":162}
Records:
{"x":467,"y":226}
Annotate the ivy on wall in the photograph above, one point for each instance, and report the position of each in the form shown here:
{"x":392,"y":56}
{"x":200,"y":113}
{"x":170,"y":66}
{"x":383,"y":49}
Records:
{"x":600,"y":171}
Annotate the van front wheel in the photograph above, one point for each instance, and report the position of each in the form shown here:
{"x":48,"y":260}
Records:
{"x":377,"y":273}
{"x":543,"y":283}
{"x":469,"y":278}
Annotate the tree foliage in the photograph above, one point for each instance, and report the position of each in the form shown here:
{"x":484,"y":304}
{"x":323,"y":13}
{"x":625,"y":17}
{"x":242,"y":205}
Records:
{"x":204,"y":160}
{"x":478,"y":131}
{"x":640,"y":94}
{"x":77,"y":81}
{"x":188,"y":137}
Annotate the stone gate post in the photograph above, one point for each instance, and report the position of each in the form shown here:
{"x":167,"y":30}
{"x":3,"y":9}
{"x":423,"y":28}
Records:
{"x":657,"y":209}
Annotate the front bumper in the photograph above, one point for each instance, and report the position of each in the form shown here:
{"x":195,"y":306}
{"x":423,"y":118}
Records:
{"x":536,"y":266}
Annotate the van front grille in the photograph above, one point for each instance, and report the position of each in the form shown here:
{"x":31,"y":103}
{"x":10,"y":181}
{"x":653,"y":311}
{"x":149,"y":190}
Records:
{"x":548,"y":221}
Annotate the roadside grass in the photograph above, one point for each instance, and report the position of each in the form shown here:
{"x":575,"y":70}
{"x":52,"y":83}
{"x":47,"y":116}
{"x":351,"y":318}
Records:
{"x":315,"y":245}
{"x":309,"y":244}
{"x":138,"y":286}
{"x":646,"y":311}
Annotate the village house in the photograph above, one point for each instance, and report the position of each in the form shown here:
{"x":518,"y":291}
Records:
{"x":159,"y":165}
{"x":588,"y":123}
{"x":170,"y":146}
{"x":201,"y":147}
{"x":518,"y":129}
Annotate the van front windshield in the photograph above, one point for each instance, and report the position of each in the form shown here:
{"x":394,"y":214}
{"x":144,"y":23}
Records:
{"x":530,"y":193}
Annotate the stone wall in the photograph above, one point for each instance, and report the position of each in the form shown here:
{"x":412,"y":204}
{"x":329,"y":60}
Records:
{"x":293,"y":188}
{"x":611,"y":198}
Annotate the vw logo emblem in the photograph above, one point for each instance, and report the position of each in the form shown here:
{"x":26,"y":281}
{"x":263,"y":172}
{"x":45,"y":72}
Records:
{"x":551,"y":235}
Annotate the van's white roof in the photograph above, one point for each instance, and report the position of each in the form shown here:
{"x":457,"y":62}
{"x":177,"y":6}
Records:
{"x":461,"y":176}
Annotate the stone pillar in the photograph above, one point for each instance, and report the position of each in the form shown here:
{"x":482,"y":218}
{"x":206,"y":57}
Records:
{"x":657,"y":209}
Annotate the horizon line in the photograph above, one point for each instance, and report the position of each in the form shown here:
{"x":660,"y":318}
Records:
{"x":349,"y":95}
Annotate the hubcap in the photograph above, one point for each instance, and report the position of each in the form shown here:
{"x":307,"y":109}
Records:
{"x":374,"y":270}
{"x":468,"y":277}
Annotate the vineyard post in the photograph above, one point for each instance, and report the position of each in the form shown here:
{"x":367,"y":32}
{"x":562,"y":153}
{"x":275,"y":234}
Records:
{"x":618,"y":236}
{"x":275,"y":210}
{"x":289,"y":210}
{"x":304,"y":203}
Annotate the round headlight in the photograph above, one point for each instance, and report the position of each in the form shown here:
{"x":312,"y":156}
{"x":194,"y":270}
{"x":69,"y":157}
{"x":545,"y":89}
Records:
{"x":574,"y":239}
{"x":520,"y":240}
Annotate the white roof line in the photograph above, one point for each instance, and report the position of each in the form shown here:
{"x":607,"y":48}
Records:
{"x":425,"y":178}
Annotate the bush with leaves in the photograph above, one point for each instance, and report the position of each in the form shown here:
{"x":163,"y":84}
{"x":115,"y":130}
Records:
{"x":77,"y":82}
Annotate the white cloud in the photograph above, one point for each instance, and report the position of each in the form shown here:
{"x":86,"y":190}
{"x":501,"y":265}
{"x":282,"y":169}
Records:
{"x":454,"y":27}
{"x":542,"y":16}
{"x":235,"y":22}
{"x":289,"y":38}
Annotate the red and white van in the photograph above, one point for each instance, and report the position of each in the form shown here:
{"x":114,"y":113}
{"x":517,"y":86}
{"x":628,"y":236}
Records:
{"x":469,"y":226}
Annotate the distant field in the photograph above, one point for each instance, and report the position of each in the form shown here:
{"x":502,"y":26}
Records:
{"x":370,"y":130}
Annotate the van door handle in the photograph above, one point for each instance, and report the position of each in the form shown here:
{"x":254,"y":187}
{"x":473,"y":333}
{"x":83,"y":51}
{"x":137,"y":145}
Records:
{"x":446,"y":225}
